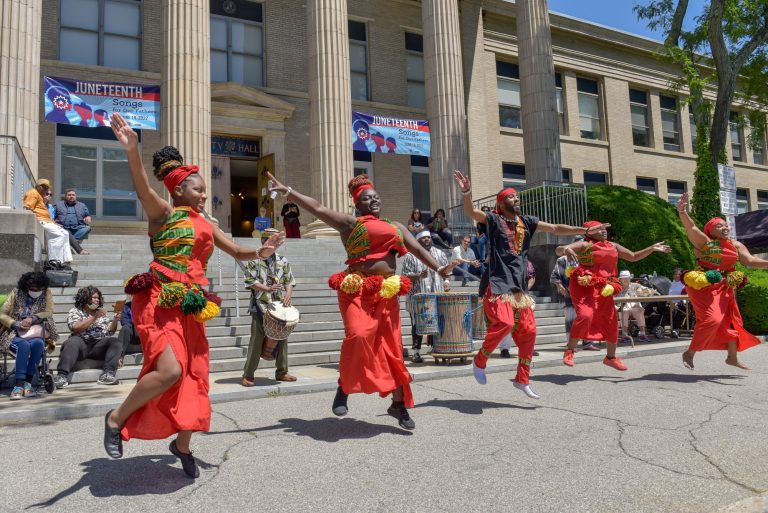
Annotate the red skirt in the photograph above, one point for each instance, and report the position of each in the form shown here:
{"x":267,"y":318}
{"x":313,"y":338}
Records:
{"x":596,"y":317}
{"x":185,"y":406}
{"x":718,"y":320}
{"x":372,"y":351}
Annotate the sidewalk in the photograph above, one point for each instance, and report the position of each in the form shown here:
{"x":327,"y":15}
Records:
{"x":91,"y":400}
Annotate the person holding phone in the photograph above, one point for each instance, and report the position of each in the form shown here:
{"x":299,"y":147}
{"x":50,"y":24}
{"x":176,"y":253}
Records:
{"x":290,"y":213}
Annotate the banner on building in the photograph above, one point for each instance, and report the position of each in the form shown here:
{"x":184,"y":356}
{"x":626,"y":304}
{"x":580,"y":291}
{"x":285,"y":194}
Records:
{"x":728,"y":206}
{"x":381,"y":134}
{"x":86,"y":103}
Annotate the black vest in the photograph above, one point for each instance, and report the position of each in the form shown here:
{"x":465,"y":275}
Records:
{"x":506,"y":271}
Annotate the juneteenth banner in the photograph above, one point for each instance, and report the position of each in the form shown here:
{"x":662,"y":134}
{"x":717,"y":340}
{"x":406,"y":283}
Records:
{"x":83,"y":103}
{"x":381,"y":134}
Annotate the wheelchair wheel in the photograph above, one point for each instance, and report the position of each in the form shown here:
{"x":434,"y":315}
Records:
{"x":658,"y":332}
{"x":48,"y":383}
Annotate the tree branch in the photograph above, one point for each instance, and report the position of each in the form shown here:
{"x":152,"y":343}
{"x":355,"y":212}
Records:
{"x":716,"y":37}
{"x":750,"y":46}
{"x":673,"y":38}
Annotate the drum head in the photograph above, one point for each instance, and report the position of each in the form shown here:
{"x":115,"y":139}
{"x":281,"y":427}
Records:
{"x":287,"y":314}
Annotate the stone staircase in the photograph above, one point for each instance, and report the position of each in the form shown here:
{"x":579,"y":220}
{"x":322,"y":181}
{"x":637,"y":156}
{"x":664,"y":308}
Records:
{"x":316,"y":340}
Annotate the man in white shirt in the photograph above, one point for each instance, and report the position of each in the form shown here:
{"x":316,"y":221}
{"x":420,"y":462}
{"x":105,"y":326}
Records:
{"x":467,"y":261}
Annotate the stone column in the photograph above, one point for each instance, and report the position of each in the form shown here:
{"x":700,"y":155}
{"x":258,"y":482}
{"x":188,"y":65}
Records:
{"x":541,"y":135}
{"x":444,"y":81}
{"x":186,"y":83}
{"x":330,"y":108}
{"x":20,"y":22}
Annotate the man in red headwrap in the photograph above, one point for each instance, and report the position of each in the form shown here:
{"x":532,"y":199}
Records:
{"x":503,"y":285}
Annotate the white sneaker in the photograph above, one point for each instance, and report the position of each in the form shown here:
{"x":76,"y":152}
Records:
{"x":526,"y":389}
{"x":479,"y":374}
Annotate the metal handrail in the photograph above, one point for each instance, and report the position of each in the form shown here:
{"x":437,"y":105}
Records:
{"x":15,"y":174}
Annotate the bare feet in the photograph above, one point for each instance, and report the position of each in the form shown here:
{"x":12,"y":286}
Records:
{"x":736,"y":363}
{"x":688,"y":360}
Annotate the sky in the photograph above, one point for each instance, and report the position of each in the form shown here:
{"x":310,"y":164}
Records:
{"x":617,"y":14}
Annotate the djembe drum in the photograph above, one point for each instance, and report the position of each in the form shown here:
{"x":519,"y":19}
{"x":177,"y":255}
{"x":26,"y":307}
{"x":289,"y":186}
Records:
{"x":425,"y":321}
{"x":479,"y":325}
{"x":454,"y":311}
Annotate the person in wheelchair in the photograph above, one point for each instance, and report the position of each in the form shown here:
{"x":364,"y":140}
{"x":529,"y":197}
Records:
{"x":633,"y":309}
{"x":27,"y":329}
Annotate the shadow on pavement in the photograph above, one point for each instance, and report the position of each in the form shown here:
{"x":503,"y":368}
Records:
{"x":329,"y":429}
{"x":470,"y":406}
{"x":565,"y":379}
{"x":142,"y":475}
{"x":690,"y":378}
{"x":258,"y":381}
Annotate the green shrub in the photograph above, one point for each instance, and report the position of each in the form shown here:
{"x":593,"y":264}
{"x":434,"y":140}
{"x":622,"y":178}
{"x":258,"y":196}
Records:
{"x":753,"y":300}
{"x":705,"y":201}
{"x":638,"y":220}
{"x":2,"y":299}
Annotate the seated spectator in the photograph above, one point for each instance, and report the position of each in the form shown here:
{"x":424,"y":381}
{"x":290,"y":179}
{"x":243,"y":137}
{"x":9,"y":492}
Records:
{"x":679,"y":309}
{"x":415,"y":224}
{"x":128,"y":335}
{"x":92,"y":337}
{"x":56,"y":237}
{"x":261,"y":223}
{"x":27,"y":327}
{"x":441,"y":234}
{"x":73,"y":243}
{"x":479,"y":241}
{"x":73,"y":215}
{"x":632,"y":309}
{"x":676,"y":289}
{"x":467,"y":262}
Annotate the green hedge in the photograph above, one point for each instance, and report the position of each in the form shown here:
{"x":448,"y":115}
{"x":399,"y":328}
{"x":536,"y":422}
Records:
{"x":639,"y":219}
{"x":753,"y":300}
{"x":2,"y":299}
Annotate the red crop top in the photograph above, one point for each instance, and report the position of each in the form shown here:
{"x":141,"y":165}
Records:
{"x":373,"y":238}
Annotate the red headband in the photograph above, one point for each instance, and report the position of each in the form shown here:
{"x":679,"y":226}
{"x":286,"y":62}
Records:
{"x":590,"y":224}
{"x":177,"y":176}
{"x":359,"y":190}
{"x":500,"y":197}
{"x":711,"y":225}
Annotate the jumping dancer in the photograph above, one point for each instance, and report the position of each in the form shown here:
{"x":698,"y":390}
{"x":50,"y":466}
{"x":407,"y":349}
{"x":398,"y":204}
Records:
{"x":503,"y":285}
{"x":712,"y":289}
{"x":593,"y":284}
{"x":170,"y":307}
{"x":372,"y":351}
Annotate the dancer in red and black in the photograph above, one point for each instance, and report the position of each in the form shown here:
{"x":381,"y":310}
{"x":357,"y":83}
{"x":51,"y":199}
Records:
{"x":712,"y":289}
{"x":503,"y":284}
{"x":372,"y":350}
{"x":593,"y":284}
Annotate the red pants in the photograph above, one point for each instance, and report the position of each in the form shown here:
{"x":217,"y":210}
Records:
{"x":372,"y":350}
{"x":502,"y":319}
{"x":292,"y":229}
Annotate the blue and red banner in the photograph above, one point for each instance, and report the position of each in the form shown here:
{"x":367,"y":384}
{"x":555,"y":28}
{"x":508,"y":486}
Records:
{"x":381,"y":134}
{"x":86,"y":103}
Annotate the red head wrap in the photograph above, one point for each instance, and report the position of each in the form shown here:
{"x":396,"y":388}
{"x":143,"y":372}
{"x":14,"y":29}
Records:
{"x":711,"y":225}
{"x":590,"y":224}
{"x":501,"y":196}
{"x":177,"y":176}
{"x":359,"y":190}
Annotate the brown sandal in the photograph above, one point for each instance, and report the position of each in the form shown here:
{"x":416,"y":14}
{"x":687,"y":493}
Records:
{"x":248,"y":382}
{"x":286,"y":377}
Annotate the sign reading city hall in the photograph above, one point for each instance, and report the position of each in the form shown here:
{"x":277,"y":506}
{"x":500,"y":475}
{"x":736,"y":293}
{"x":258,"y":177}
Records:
{"x":381,"y":134}
{"x":83,"y":103}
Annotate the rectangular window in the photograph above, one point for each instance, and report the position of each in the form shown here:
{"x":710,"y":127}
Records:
{"x":567,"y":175}
{"x":362,"y":162}
{"x":646,"y":185}
{"x":101,"y":32}
{"x":559,"y":98}
{"x":414,"y":70}
{"x":237,"y":44}
{"x":762,"y":200}
{"x":638,"y":107}
{"x":508,"y":86}
{"x":358,"y":59}
{"x":595,"y":178}
{"x":734,"y":125}
{"x":675,"y":189}
{"x":420,"y":183}
{"x":742,"y":201}
{"x":512,"y":174}
{"x":670,"y":125}
{"x":693,"y":134}
{"x":758,"y":152}
{"x":98,"y":171}
{"x":589,"y":108}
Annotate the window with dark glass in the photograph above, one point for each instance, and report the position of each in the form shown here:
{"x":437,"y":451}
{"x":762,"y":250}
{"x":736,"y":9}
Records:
{"x":638,"y":107}
{"x":567,"y":175}
{"x":414,"y":69}
{"x":670,"y":124}
{"x":560,"y":103}
{"x":237,"y":42}
{"x":737,"y":139}
{"x":742,"y":201}
{"x":420,"y":182}
{"x":762,"y":200}
{"x":508,"y":85}
{"x":358,"y":59}
{"x":675,"y":189}
{"x":589,"y":108}
{"x":595,"y":178}
{"x":646,"y":185}
{"x":758,"y":152}
{"x":101,"y":32}
{"x":512,"y":174}
{"x":693,"y":134}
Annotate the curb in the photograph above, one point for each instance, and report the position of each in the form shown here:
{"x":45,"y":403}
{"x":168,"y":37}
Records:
{"x":756,"y":504}
{"x":100,"y":408}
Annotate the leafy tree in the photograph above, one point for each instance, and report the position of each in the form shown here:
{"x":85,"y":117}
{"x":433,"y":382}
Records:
{"x":726,"y":49}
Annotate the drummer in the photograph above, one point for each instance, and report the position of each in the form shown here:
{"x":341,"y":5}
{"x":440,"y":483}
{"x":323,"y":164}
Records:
{"x":269,"y":280}
{"x":424,"y":280}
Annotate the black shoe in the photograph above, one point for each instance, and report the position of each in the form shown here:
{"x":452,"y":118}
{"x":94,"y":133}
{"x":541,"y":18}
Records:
{"x":340,"y":403}
{"x":417,"y":358}
{"x":505,"y":353}
{"x":400,"y":412}
{"x":535,"y":353}
{"x":113,"y":442}
{"x":188,"y":462}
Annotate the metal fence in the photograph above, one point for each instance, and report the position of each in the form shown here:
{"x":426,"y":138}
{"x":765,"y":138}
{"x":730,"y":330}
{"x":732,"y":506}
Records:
{"x":15,"y":176}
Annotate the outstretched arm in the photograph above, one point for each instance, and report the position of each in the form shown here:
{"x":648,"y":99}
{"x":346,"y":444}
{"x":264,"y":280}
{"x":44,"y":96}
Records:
{"x":466,"y":191}
{"x":696,"y":236}
{"x":422,"y":254}
{"x":336,"y":220}
{"x":239,"y":252}
{"x":634,"y":256}
{"x":565,"y":229}
{"x":748,"y":259}
{"x":157,"y":208}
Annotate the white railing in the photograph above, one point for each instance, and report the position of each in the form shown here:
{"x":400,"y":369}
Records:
{"x":15,"y":175}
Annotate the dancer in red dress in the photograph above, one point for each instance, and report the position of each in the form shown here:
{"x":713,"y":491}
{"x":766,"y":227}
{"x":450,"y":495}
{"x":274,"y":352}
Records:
{"x":170,"y":307}
{"x":593,"y":285}
{"x":504,"y":286}
{"x":372,"y":350}
{"x":712,"y":289}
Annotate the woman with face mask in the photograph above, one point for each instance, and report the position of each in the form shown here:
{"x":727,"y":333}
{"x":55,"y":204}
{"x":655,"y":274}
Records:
{"x":27,"y":325}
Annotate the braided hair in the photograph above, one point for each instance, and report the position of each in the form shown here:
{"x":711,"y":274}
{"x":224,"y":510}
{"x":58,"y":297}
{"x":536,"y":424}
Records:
{"x":166,"y":160}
